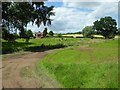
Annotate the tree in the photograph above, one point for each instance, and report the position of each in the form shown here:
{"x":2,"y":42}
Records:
{"x":106,"y":27}
{"x":118,"y":31}
{"x":16,"y":15}
{"x":30,"y":33}
{"x":26,"y":34}
{"x":88,"y":32}
{"x":10,"y":37}
{"x":45,"y":32}
{"x":59,"y":35}
{"x":51,"y":33}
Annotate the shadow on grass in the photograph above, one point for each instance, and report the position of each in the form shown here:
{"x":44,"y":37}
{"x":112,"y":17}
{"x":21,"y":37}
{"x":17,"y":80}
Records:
{"x":9,"y":47}
{"x":44,"y":47}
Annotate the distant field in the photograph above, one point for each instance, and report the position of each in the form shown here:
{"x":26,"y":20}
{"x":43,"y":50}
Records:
{"x":89,"y":65}
{"x":74,"y":35}
{"x":81,"y":35}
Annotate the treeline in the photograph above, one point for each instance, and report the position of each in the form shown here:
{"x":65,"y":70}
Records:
{"x":80,"y":32}
{"x":107,"y":27}
{"x":45,"y":33}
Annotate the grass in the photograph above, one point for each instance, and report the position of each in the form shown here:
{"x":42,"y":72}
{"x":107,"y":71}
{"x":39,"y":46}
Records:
{"x":82,"y":63}
{"x":85,"y":66}
{"x":36,"y":44}
{"x":43,"y":80}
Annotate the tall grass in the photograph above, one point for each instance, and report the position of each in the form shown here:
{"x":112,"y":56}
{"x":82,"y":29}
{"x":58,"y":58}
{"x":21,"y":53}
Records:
{"x":92,"y":66}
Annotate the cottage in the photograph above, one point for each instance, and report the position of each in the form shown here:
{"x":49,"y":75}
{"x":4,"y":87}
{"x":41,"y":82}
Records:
{"x":39,"y":34}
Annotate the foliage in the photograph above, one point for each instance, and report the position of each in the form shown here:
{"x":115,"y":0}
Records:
{"x":6,"y":35}
{"x":23,"y":34}
{"x":45,"y":32}
{"x":75,"y":33}
{"x":88,"y":32}
{"x":51,"y":33}
{"x":118,"y":31}
{"x":59,"y":35}
{"x":30,"y":33}
{"x":26,"y":34}
{"x":16,"y":15}
{"x":106,"y":26}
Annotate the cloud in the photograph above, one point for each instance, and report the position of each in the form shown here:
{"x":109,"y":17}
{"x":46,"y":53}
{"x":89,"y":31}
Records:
{"x":90,"y":1}
{"x":73,"y":17}
{"x":34,"y":28}
{"x":105,"y":9}
{"x":68,"y":19}
{"x":90,"y":5}
{"x":82,"y":1}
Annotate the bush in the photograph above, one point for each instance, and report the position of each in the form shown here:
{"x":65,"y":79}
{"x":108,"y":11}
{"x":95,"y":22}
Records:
{"x":51,"y":33}
{"x":59,"y":35}
{"x":88,"y":32}
{"x":10,"y":37}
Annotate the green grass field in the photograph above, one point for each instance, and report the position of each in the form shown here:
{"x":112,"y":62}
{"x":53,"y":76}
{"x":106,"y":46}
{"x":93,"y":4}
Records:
{"x":79,"y":63}
{"x":91,"y":64}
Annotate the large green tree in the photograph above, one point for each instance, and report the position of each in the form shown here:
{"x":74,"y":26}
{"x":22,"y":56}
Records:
{"x":16,"y":15}
{"x":106,"y":27}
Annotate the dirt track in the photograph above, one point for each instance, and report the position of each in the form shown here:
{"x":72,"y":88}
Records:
{"x":12,"y":66}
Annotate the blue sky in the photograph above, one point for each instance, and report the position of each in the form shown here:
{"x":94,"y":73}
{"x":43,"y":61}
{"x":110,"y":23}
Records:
{"x":56,"y":4}
{"x":74,"y":16}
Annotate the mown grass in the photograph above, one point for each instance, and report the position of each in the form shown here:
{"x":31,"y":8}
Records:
{"x":94,"y":65}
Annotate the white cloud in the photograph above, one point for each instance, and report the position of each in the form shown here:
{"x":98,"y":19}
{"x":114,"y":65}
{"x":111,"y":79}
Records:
{"x":105,"y":9}
{"x":90,"y":5}
{"x":90,"y":0}
{"x":68,"y":19}
{"x":71,"y":19}
{"x":34,"y":27}
{"x":74,"y":16}
{"x":83,"y":0}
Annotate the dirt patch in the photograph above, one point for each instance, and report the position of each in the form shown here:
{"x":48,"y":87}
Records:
{"x":12,"y":66}
{"x":85,"y":48}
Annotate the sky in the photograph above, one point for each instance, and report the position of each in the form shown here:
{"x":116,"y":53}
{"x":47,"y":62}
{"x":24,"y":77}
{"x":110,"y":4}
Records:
{"x":75,"y":15}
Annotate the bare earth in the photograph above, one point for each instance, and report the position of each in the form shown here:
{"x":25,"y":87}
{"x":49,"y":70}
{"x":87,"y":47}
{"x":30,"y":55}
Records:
{"x":12,"y":66}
